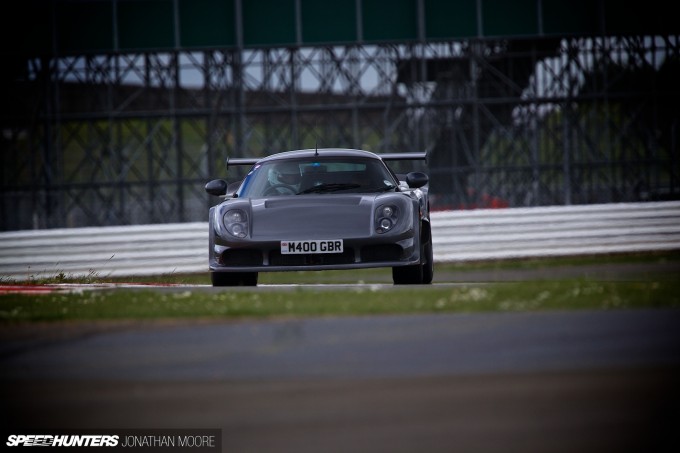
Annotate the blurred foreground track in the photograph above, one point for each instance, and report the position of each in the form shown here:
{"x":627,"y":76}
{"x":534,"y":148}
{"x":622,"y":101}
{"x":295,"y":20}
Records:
{"x":578,"y":411}
{"x":503,"y":382}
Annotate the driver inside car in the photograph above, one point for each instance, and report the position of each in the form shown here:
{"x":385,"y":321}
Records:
{"x":284,"y":178}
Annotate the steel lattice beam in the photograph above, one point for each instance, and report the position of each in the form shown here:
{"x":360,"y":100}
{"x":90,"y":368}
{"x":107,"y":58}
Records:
{"x":132,"y":137}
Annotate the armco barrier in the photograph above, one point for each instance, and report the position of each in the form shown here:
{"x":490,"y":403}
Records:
{"x":105,"y":251}
{"x":457,"y":236}
{"x":555,"y":231}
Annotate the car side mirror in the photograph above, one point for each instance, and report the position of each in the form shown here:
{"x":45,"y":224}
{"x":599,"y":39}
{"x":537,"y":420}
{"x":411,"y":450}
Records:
{"x":217,"y":187}
{"x":416,"y":179}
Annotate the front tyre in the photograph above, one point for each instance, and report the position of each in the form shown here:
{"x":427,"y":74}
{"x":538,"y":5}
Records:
{"x":428,"y":267}
{"x":417,"y":274}
{"x":233,"y":278}
{"x":407,"y":275}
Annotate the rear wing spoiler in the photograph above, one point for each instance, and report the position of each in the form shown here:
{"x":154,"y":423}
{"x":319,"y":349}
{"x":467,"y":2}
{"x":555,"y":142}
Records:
{"x":242,"y":161}
{"x":404,"y":156}
{"x":386,"y":156}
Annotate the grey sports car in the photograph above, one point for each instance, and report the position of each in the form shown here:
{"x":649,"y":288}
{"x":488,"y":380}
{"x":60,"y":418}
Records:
{"x":320,"y":210}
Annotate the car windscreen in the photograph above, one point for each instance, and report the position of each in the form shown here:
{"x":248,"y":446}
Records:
{"x":316,"y":176}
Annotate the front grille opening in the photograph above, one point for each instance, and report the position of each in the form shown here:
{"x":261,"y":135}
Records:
{"x":241,"y":257}
{"x":377,"y":253}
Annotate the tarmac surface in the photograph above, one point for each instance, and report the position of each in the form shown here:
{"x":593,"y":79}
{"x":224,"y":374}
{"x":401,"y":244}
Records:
{"x":576,"y":381}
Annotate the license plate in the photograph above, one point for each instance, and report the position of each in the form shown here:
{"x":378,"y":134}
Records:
{"x":307,"y":247}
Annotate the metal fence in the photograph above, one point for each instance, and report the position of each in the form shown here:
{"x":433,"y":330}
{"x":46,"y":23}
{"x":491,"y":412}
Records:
{"x":167,"y":249}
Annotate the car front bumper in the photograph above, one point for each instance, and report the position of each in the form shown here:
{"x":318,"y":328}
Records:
{"x":357,"y":254}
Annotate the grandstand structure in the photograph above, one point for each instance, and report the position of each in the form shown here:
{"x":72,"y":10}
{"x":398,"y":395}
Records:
{"x":119,"y":111}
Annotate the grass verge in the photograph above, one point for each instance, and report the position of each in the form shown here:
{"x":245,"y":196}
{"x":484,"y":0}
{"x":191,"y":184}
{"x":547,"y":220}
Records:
{"x":516,"y":296}
{"x":647,"y":280}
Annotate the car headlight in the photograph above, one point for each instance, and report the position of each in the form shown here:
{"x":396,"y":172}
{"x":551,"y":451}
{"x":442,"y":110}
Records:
{"x":236,"y":222}
{"x":386,"y":217}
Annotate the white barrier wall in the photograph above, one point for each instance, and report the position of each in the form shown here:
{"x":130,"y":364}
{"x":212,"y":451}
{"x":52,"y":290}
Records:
{"x":457,"y":236}
{"x":555,"y":231}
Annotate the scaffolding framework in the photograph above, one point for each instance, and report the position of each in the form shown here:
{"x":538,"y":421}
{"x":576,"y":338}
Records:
{"x":131,"y":137}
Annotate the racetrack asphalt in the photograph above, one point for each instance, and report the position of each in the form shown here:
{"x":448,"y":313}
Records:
{"x":550,"y":381}
{"x":573,"y":381}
